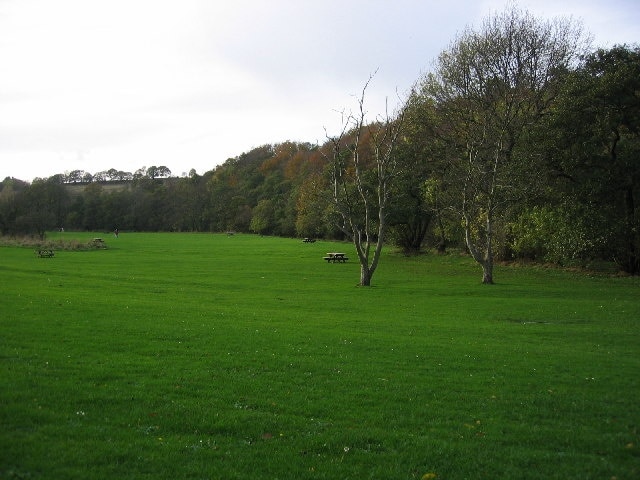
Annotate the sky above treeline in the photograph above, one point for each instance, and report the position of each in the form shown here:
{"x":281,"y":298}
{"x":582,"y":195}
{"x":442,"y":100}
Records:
{"x":93,"y":85}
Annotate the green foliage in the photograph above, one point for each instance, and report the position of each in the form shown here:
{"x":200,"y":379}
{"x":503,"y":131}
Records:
{"x":263,"y":217}
{"x":593,"y":141}
{"x":40,"y":207}
{"x":312,"y":203}
{"x":208,"y":356}
{"x":561,"y":235}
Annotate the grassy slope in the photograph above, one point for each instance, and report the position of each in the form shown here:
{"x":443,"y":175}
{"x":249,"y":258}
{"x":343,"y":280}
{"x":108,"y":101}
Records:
{"x":207,"y":356}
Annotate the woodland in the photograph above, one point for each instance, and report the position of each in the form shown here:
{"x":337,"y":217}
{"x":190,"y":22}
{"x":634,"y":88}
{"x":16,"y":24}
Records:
{"x":522,"y":143}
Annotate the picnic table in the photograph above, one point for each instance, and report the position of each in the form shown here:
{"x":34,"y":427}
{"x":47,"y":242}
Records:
{"x":336,"y":257}
{"x":98,"y":243}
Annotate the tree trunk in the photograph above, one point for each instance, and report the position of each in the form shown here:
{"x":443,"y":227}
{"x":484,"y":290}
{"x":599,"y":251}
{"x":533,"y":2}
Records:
{"x":485,"y":260}
{"x":487,"y":272}
{"x":632,"y":263}
{"x":365,"y":276}
{"x":487,"y":264}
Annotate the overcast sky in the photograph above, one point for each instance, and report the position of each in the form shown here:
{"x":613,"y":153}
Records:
{"x":125,"y":84}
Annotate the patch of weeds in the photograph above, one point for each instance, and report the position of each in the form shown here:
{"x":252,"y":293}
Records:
{"x":56,"y":245}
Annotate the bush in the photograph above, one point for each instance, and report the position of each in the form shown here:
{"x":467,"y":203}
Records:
{"x":557,"y":235}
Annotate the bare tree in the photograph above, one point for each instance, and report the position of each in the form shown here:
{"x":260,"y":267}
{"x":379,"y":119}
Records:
{"x":489,"y":87}
{"x":363,"y":167}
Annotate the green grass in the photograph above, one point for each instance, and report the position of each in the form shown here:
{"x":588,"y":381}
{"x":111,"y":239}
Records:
{"x":215,"y":357}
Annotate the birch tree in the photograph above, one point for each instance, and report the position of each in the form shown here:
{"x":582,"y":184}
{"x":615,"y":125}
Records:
{"x":489,"y":88}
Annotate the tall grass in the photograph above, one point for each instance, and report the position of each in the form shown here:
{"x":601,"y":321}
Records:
{"x":214,"y":356}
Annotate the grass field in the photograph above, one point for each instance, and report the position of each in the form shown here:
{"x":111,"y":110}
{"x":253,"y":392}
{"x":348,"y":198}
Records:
{"x":175,"y":356}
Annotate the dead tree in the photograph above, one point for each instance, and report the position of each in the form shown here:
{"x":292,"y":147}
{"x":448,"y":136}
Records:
{"x":363,"y":167}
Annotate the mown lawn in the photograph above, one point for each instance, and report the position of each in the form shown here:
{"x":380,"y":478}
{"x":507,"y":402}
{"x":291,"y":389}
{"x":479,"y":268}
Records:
{"x":218,"y":357}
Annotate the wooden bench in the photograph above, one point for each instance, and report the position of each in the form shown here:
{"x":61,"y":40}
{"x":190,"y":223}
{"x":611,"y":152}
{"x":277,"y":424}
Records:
{"x":45,"y":253}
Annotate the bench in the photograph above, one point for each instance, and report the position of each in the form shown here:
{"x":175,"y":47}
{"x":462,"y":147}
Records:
{"x":309,"y":240}
{"x":45,"y":253}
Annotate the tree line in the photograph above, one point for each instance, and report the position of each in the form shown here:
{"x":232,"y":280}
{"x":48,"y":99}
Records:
{"x":113,"y":175}
{"x":521,"y":143}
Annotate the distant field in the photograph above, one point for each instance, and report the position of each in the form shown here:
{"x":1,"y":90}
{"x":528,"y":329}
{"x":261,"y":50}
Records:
{"x":170,"y":356}
{"x":76,"y":189}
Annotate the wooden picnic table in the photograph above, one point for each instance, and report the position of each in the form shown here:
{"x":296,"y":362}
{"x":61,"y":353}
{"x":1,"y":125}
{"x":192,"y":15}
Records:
{"x":336,"y":257}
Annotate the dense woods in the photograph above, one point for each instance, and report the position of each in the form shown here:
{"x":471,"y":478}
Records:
{"x":520,"y":144}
